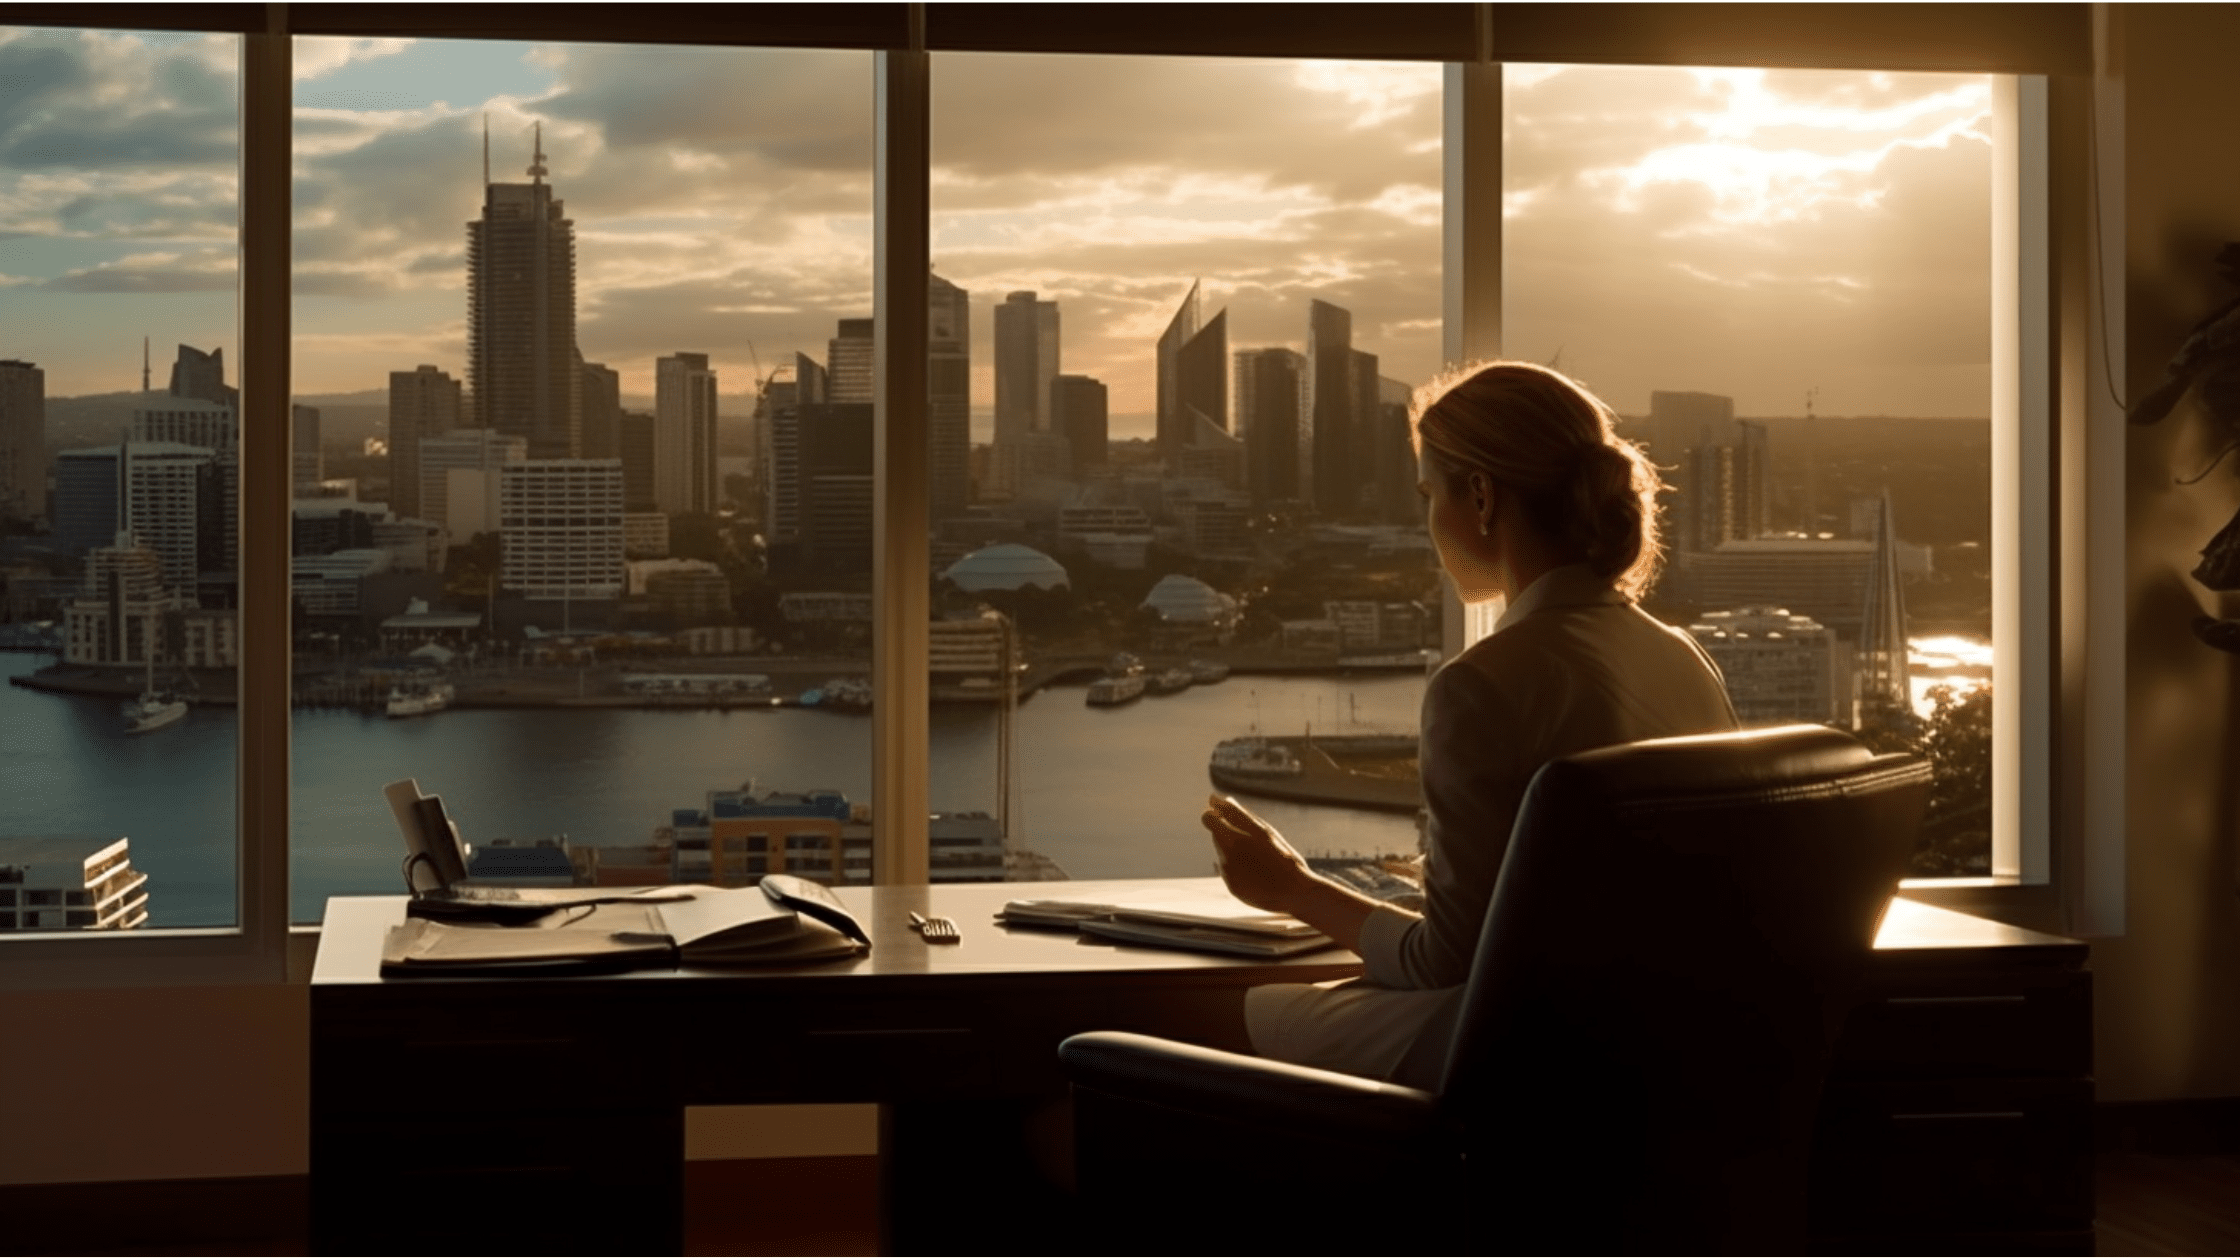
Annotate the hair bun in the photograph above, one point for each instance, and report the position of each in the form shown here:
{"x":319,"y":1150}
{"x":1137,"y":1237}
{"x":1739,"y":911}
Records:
{"x":1607,"y":492}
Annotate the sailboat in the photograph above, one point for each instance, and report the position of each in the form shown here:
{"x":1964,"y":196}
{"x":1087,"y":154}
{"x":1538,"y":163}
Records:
{"x":154,"y":710}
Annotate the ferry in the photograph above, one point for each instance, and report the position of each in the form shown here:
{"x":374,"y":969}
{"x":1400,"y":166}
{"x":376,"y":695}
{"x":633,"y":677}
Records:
{"x":432,"y":698}
{"x":1255,"y":758}
{"x":1205,"y":673}
{"x":1169,"y":681}
{"x":1117,"y":690}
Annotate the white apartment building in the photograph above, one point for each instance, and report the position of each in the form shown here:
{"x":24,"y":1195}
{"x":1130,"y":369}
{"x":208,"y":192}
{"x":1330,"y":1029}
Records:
{"x":187,"y":421}
{"x":561,"y":525}
{"x":684,"y":434}
{"x":1779,"y":666}
{"x":55,"y":885}
{"x":459,"y":478}
{"x":120,"y":618}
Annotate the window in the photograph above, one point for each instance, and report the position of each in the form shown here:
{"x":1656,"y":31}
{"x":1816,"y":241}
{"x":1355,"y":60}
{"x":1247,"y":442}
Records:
{"x":1201,"y":291}
{"x":118,"y":462}
{"x":2043,"y":585}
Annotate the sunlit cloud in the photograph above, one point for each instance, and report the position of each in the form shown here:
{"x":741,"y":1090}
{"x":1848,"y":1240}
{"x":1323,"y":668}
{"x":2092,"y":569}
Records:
{"x":317,"y":58}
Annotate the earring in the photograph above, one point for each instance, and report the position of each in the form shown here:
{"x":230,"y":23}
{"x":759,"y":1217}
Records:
{"x":1484,"y":529}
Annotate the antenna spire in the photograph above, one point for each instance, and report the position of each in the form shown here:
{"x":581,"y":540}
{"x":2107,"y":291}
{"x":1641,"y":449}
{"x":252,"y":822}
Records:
{"x":144,"y":384}
{"x":537,"y":171}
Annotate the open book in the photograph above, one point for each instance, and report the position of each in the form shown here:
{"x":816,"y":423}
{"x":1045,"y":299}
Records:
{"x":708,"y":926}
{"x":1212,"y":922}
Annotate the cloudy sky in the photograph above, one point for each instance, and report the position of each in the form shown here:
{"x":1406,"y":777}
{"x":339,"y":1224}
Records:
{"x":1754,"y":234}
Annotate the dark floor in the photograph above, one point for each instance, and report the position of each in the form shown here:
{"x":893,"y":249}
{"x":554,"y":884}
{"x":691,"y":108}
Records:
{"x":2149,"y":1205}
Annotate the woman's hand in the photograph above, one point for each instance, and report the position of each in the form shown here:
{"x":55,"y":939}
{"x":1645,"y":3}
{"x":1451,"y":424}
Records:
{"x":1259,"y":868}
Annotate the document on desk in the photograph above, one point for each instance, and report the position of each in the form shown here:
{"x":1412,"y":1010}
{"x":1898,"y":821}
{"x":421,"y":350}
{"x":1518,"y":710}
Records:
{"x":716,"y":926}
{"x":1203,"y":921}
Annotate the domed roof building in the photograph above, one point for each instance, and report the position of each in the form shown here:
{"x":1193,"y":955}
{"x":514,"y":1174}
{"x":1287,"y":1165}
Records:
{"x":1180,"y":598}
{"x":1007,"y":567}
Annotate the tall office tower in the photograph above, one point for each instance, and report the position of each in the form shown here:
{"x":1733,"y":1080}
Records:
{"x":23,"y":441}
{"x":1395,"y":454}
{"x":1202,"y":377}
{"x":1271,"y":416}
{"x":1026,"y":363}
{"x":187,"y":421}
{"x":521,"y":316}
{"x":423,"y":403}
{"x":1331,"y":400}
{"x":560,"y":528}
{"x":458,"y":480}
{"x":602,"y":411}
{"x":835,"y":487}
{"x":949,"y":398}
{"x":806,"y":383}
{"x":635,"y":435}
{"x":195,"y":374}
{"x":684,"y":434}
{"x":1082,"y":406}
{"x":310,"y":461}
{"x":165,"y":494}
{"x":1174,"y":427}
{"x":1720,"y":469}
{"x":849,"y":352}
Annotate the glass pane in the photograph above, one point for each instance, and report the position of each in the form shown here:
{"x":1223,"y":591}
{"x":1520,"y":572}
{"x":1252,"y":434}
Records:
{"x":547,"y":299}
{"x":119,"y":468}
{"x":1198,"y":294}
{"x":1782,"y":281}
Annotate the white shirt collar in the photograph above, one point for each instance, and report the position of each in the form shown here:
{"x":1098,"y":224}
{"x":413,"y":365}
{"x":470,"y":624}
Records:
{"x":1559,"y":587}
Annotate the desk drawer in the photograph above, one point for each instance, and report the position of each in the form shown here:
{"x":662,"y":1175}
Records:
{"x":1971,"y":1025}
{"x":1953,"y":1156}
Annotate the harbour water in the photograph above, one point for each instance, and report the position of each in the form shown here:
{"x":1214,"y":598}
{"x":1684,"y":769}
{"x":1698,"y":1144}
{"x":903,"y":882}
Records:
{"x":1105,"y":792}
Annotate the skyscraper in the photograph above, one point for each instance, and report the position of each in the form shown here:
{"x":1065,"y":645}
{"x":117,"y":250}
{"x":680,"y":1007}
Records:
{"x":684,"y":450}
{"x":23,"y":440}
{"x":196,"y":374}
{"x":1083,"y":417}
{"x":781,"y":474}
{"x":1174,"y":427}
{"x":1271,"y":414}
{"x":1720,"y":469}
{"x":521,"y":316}
{"x":602,"y":411}
{"x":1202,"y":377}
{"x":1331,"y":399}
{"x":308,"y":459}
{"x":423,"y":403}
{"x":560,"y":521}
{"x":1026,"y":364}
{"x":849,"y":378}
{"x":949,"y":398}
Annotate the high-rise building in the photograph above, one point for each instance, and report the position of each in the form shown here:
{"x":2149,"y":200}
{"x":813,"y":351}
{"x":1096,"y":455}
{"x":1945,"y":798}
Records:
{"x":1393,"y":454}
{"x":1331,"y":401}
{"x":949,"y":398}
{"x":1202,"y":378}
{"x":1174,"y":428}
{"x":835,"y":491}
{"x":119,"y":618}
{"x":1026,"y":363}
{"x":560,"y":525}
{"x":1272,"y":417}
{"x":423,"y":403}
{"x":805,"y":384}
{"x":684,"y":434}
{"x":166,"y":495}
{"x":1082,"y":405}
{"x":1779,"y":666}
{"x":196,"y":374}
{"x":215,"y":427}
{"x":521,"y":316}
{"x":635,"y":434}
{"x":458,"y":482}
{"x":1721,"y":473}
{"x":310,"y":461}
{"x":849,"y":378}
{"x":602,"y":411}
{"x":23,"y":441}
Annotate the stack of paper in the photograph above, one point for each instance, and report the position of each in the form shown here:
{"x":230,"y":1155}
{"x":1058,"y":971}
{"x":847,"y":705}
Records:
{"x":1214,"y":923}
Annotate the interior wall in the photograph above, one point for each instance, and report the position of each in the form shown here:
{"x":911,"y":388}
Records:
{"x":2168,"y":991}
{"x":156,"y":1083}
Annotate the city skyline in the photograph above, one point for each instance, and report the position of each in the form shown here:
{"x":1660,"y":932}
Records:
{"x":1797,"y":197}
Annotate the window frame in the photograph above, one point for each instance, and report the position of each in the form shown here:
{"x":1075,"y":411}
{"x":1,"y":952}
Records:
{"x":2073,"y":798}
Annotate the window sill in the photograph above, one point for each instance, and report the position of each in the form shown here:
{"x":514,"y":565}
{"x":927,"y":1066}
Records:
{"x":2004,"y":898}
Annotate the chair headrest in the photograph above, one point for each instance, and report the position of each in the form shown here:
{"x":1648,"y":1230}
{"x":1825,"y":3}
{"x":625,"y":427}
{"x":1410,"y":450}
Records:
{"x":1692,"y":765}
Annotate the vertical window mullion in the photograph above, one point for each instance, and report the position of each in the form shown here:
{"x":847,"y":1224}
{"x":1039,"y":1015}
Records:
{"x":901,"y":602}
{"x":266,"y":475}
{"x":1470,"y":280}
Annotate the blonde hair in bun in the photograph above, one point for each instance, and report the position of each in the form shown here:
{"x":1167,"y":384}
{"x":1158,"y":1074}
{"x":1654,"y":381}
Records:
{"x":1545,"y":438}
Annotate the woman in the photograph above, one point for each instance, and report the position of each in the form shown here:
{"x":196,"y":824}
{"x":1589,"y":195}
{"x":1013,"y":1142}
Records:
{"x":1530,"y":495}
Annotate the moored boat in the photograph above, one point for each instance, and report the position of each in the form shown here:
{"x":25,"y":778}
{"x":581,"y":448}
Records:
{"x":1169,"y":681}
{"x":153,"y":711}
{"x":1203,"y":672}
{"x":1116,"y":690}
{"x":433,"y":698}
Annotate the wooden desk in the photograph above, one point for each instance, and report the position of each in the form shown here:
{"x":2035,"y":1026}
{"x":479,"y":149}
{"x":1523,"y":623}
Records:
{"x":546,"y":1115}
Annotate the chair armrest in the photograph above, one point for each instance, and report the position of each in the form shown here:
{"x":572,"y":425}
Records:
{"x":1249,"y":1090}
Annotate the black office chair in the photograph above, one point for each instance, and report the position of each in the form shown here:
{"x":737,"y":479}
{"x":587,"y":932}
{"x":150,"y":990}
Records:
{"x":1676,"y":934}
